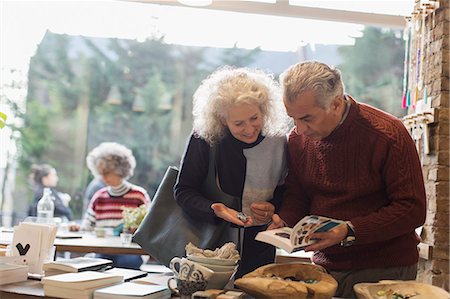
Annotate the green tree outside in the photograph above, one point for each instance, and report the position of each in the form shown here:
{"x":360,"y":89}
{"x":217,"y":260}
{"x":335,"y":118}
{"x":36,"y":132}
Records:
{"x":373,"y":69}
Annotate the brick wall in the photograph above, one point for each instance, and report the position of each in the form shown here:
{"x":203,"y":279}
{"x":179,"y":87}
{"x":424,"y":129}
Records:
{"x":436,"y":164}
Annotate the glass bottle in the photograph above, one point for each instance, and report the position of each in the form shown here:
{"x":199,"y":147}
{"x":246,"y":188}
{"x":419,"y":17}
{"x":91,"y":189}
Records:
{"x":46,"y":207}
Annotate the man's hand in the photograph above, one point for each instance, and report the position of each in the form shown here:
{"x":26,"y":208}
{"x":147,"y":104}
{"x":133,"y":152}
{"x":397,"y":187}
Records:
{"x":277,"y":222}
{"x":329,"y":238}
{"x":228,"y":214}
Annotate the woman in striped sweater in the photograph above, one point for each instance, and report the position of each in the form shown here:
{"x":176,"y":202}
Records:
{"x":114,"y":163}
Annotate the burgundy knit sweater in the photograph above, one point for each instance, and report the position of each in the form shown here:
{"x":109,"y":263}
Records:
{"x":366,"y":171}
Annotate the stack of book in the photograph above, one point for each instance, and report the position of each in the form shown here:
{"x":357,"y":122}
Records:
{"x":130,"y":290}
{"x":10,"y":273}
{"x":77,"y":264}
{"x":80,"y":285}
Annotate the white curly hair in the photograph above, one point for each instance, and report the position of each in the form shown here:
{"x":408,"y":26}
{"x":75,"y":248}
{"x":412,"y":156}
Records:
{"x":111,"y":157}
{"x":230,"y":86}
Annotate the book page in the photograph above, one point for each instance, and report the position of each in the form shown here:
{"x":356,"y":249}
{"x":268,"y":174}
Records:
{"x":295,"y":239}
{"x":309,"y":225}
{"x":280,"y":237}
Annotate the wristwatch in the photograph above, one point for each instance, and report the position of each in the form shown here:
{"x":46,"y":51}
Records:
{"x":350,"y":238}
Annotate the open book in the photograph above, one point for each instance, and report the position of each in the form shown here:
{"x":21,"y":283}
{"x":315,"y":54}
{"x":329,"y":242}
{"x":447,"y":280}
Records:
{"x":298,"y":237}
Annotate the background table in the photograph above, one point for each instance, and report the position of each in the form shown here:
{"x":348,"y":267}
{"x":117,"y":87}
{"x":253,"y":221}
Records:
{"x":87,"y":243}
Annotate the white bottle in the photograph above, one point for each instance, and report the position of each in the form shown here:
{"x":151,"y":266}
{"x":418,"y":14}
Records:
{"x":45,"y":207}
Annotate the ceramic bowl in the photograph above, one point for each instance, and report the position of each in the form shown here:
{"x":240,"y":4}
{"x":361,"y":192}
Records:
{"x":387,"y":287}
{"x":219,"y":280}
{"x":219,"y":268}
{"x":212,"y":261}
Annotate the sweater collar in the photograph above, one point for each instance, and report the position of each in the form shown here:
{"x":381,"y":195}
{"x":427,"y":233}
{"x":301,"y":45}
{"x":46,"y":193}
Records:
{"x":120,"y":190}
{"x":348,"y":119}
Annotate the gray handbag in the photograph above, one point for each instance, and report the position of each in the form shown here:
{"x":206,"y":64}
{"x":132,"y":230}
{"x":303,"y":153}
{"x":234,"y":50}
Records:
{"x":166,"y":229}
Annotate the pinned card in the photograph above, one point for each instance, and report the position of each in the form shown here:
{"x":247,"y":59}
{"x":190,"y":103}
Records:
{"x":34,"y":242}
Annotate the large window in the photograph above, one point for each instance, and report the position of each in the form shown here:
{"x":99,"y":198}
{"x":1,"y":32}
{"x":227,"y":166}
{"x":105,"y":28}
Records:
{"x":75,"y":74}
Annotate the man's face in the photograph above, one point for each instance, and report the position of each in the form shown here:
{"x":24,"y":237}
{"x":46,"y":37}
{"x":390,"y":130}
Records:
{"x":312,"y":120}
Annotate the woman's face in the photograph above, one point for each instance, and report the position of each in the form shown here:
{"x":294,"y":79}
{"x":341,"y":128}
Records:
{"x":51,"y":179}
{"x":245,"y":122}
{"x":111,"y":179}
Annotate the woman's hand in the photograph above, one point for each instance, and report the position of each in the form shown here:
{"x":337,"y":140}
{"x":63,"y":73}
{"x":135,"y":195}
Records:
{"x":277,"y":222}
{"x":262,"y":211}
{"x":228,"y":214}
{"x":73,"y":227}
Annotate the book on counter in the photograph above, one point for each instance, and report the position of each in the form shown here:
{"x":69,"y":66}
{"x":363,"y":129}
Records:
{"x":77,"y":264}
{"x":59,"y":292}
{"x":78,"y":285}
{"x":10,"y":273}
{"x":68,"y":235}
{"x":128,"y":274}
{"x":155,"y":278}
{"x":298,"y":237}
{"x":130,"y":290}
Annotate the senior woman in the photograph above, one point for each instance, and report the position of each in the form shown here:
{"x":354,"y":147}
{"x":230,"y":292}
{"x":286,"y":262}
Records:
{"x":114,"y":163}
{"x":239,"y":111}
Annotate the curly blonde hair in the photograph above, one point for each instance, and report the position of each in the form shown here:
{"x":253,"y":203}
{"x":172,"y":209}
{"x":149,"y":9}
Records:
{"x":229,"y":86}
{"x":111,"y":157}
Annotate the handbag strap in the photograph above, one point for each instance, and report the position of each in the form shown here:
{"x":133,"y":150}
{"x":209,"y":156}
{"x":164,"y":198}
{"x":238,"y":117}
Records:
{"x":211,"y":186}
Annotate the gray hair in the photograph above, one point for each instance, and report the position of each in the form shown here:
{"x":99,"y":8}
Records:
{"x":325,"y":81}
{"x":230,"y":86}
{"x":111,"y":157}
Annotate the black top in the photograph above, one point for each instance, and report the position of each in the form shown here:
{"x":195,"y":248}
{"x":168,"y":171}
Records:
{"x":231,"y":169}
{"x":60,"y":209}
{"x":231,"y":165}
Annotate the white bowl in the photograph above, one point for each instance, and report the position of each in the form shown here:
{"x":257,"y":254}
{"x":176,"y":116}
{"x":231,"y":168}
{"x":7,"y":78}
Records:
{"x":219,"y":280}
{"x":219,"y":268}
{"x":213,"y":261}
